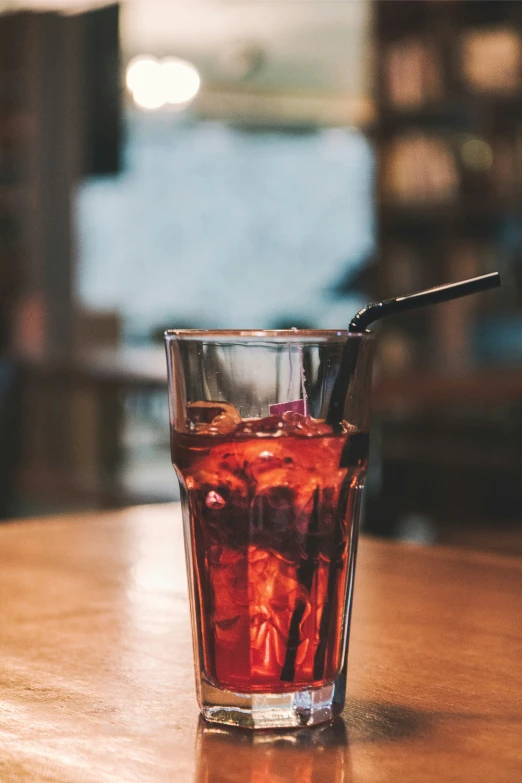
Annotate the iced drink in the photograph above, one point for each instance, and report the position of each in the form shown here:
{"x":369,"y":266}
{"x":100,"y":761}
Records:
{"x":269,"y":441}
{"x":272,"y":503}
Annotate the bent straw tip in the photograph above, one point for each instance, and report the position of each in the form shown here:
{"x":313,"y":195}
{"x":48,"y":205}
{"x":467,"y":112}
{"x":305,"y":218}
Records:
{"x":443,"y":293}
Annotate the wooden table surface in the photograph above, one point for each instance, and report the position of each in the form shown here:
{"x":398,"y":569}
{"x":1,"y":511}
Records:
{"x":96,"y":679}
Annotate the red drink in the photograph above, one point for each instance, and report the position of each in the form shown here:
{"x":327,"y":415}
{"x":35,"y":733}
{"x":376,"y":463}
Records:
{"x":271,"y":503}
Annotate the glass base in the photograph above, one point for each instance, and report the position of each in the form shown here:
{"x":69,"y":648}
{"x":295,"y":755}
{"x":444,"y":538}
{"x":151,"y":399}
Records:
{"x":293,"y":709}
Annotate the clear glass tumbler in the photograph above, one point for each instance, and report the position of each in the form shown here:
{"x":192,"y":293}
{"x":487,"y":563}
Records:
{"x":269,"y":439}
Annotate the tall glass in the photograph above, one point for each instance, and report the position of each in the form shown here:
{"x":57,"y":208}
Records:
{"x":271,"y":474}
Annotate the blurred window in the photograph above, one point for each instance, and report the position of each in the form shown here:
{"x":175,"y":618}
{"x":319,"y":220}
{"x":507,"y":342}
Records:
{"x":214,"y":225}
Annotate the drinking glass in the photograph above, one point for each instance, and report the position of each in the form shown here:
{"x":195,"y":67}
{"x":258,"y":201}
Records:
{"x":270,"y":473}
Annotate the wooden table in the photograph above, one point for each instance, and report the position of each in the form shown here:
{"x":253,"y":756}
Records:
{"x":96,"y":679}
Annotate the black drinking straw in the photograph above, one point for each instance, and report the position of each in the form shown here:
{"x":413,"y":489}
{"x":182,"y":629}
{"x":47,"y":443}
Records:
{"x":305,"y":577}
{"x":401,"y":304}
{"x":348,"y":363}
{"x":442,"y":293}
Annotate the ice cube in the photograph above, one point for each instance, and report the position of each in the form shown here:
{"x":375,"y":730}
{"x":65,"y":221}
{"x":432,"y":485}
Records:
{"x":299,"y":424}
{"x":230,"y":587}
{"x":213,"y":475}
{"x":269,"y":425}
{"x":212,"y":418}
{"x":260,"y":459}
{"x":274,"y":591}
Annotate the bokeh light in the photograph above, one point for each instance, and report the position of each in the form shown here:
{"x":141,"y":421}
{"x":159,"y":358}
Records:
{"x":477,"y":154}
{"x":181,"y":81}
{"x":155,"y":83}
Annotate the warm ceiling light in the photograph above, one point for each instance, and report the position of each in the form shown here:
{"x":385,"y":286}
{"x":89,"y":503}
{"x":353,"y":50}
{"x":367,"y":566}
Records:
{"x":181,"y":81}
{"x":154,"y":83}
{"x":140,"y":70}
{"x":145,"y":83}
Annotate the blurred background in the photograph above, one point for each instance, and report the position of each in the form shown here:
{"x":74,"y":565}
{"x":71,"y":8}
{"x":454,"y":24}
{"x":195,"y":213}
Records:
{"x":261,"y":164}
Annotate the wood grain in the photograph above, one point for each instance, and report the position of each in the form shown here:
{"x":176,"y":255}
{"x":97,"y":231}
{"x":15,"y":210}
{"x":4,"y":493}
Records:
{"x":96,"y":680}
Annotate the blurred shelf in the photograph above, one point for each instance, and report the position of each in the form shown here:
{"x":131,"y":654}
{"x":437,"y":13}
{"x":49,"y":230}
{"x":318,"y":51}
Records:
{"x":426,"y":212}
{"x":417,"y":391}
{"x":127,"y":367}
{"x":466,"y":107}
{"x":392,"y":119}
{"x":145,"y":368}
{"x":454,"y":451}
{"x":10,"y":197}
{"x":45,"y":485}
{"x":248,"y":105}
{"x":478,"y":215}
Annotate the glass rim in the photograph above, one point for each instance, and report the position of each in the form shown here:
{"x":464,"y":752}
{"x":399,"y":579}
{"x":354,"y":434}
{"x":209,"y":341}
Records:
{"x":266,"y":335}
